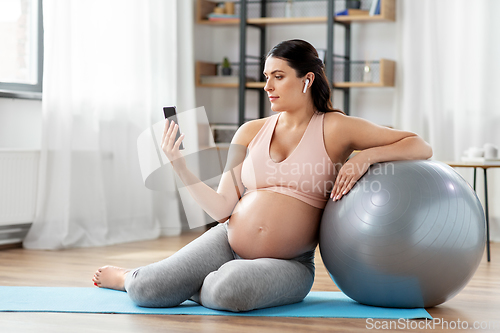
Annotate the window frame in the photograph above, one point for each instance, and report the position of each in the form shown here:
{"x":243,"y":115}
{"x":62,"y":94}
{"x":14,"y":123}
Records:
{"x":24,"y":90}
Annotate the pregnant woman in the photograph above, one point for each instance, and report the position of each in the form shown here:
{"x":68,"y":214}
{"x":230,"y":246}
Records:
{"x":281,"y":171}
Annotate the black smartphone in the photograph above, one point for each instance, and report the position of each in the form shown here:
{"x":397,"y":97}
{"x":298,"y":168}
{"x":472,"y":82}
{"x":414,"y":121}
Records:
{"x":171,"y":113}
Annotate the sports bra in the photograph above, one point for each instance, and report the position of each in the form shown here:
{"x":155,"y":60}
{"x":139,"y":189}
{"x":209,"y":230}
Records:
{"x":307,"y":173}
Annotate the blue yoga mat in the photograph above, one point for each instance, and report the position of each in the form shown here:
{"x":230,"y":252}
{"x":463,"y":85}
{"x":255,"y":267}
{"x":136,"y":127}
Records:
{"x":95,"y":300}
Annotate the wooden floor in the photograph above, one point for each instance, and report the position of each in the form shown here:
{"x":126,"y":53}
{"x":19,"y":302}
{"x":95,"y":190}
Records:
{"x":478,"y":302}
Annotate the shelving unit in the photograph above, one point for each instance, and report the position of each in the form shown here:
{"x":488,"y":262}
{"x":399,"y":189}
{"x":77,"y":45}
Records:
{"x":387,"y":13}
{"x":210,"y":69}
{"x":386,"y":69}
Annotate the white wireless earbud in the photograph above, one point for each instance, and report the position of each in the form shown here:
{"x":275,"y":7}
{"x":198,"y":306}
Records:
{"x":305,"y":86}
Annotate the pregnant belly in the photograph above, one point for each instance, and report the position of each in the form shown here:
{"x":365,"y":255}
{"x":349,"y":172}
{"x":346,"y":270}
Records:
{"x":267,"y":224}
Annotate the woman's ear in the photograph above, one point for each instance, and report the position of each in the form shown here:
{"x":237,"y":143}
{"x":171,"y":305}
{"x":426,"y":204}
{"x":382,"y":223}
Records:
{"x":306,"y":85}
{"x":309,"y":79}
{"x":310,"y":76}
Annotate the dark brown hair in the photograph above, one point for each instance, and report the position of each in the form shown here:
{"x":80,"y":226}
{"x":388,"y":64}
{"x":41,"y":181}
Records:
{"x":303,"y":58}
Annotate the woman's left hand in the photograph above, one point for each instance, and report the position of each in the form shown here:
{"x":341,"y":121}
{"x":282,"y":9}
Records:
{"x":349,"y":174}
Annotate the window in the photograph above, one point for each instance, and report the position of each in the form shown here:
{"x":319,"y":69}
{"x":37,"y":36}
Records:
{"x":21,"y":55}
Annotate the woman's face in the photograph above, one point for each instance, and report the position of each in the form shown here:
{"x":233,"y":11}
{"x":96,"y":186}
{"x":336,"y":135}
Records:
{"x":283,"y":87}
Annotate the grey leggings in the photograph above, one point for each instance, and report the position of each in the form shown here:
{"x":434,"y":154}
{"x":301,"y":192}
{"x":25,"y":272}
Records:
{"x":209,"y":272}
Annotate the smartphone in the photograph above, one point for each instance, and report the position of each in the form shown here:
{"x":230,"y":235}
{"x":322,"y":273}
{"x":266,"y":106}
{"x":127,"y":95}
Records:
{"x":171,"y":113}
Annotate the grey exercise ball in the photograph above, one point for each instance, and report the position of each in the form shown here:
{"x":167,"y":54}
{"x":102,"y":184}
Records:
{"x":409,"y":234}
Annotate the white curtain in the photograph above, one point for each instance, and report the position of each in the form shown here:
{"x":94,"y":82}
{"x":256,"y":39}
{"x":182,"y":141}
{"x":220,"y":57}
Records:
{"x":448,"y":81}
{"x":109,"y":67}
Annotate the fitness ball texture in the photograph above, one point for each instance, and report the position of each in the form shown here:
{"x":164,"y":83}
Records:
{"x":409,"y":234}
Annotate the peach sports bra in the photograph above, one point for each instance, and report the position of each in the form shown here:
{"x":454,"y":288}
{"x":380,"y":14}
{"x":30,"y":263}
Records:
{"x":307,"y":173}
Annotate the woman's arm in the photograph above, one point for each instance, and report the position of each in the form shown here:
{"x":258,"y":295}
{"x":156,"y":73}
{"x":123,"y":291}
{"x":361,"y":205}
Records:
{"x":376,"y":144}
{"x":383,"y":143}
{"x":218,"y":204}
{"x":411,"y":147}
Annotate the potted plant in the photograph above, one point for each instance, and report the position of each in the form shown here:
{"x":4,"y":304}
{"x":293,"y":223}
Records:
{"x":226,"y":67}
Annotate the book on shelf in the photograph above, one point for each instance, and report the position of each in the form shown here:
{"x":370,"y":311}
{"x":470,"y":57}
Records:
{"x":375,"y":8}
{"x":352,"y":12}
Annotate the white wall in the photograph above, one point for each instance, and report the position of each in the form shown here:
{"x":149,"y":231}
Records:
{"x":20,"y":123}
{"x":376,"y":40}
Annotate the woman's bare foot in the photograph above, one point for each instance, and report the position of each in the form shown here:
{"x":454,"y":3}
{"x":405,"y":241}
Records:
{"x":110,"y":277}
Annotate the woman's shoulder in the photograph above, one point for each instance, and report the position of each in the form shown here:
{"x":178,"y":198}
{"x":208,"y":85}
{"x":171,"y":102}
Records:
{"x":339,"y":127}
{"x":246,"y":132}
{"x":338,"y":121}
{"x":335,"y":121}
{"x":331,"y":117}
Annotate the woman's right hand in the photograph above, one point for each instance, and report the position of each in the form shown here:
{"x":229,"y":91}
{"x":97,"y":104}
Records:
{"x":171,"y":147}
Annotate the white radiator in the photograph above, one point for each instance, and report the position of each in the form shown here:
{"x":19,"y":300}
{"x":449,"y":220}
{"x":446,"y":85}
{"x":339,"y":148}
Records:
{"x":18,"y":188}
